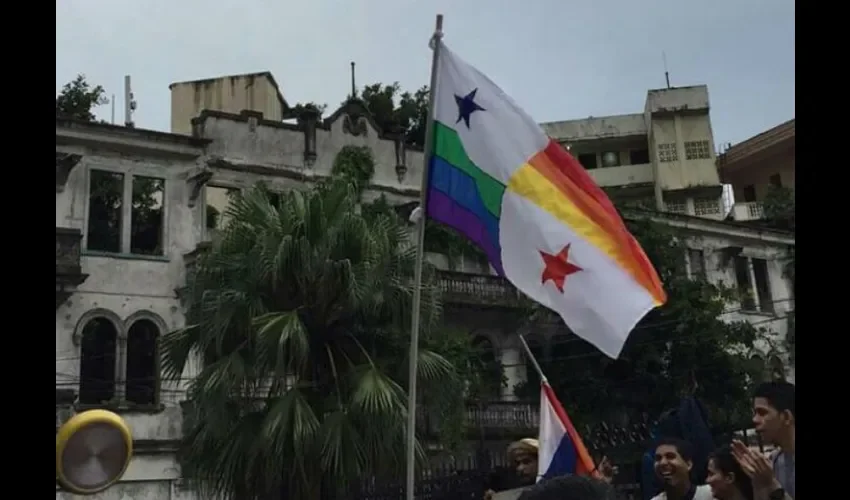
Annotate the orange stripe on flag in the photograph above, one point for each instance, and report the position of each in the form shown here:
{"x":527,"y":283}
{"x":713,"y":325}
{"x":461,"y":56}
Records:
{"x":570,"y":178}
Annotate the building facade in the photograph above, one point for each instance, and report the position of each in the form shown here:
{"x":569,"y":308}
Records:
{"x":753,"y":166}
{"x":135,"y":206}
{"x":246,"y":148}
{"x":663,"y":157}
{"x":124,"y":220}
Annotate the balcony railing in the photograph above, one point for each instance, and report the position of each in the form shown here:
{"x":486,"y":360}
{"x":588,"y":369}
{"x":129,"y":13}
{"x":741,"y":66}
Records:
{"x":515,"y":419}
{"x":68,"y":251}
{"x":477,"y":289}
{"x":502,"y":417}
{"x":747,"y":211}
{"x":457,"y":287}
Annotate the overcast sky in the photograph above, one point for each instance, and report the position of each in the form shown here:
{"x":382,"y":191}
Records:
{"x":559,"y":59}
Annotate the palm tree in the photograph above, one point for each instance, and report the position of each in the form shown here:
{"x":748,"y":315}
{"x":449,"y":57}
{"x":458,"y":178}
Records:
{"x":299,"y":318}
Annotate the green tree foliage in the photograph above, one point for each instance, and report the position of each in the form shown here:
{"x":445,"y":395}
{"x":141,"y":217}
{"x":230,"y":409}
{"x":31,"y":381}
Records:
{"x":475,"y":364}
{"x":300,"y":317}
{"x":779,"y":208}
{"x":78,"y":98}
{"x":682,"y":347}
{"x":392,"y":107}
{"x":356,"y":163}
{"x":299,"y":108}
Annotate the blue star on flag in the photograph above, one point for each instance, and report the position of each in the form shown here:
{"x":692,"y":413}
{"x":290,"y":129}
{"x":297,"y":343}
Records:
{"x":466,"y":105}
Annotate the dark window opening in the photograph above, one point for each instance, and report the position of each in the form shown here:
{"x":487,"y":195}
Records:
{"x":106,"y":199}
{"x":274,"y":198}
{"x":776,"y":180}
{"x":142,"y":362}
{"x":749,"y":193}
{"x":146,"y":219}
{"x":639,"y":156}
{"x":697,"y":262}
{"x":758,"y":368}
{"x":97,"y":362}
{"x":588,"y":161}
{"x":745,"y":287}
{"x":489,"y":368}
{"x":763,"y":285}
{"x":776,"y":368}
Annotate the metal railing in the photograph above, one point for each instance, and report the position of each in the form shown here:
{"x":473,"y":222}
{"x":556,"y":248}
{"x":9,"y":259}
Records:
{"x":456,"y":287}
{"x":477,"y":289}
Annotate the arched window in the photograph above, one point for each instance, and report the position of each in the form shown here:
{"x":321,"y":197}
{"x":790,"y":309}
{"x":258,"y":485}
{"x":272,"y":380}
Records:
{"x":142,"y":362}
{"x":758,"y":368}
{"x":97,"y":361}
{"x":490,"y":369}
{"x":776,"y":367}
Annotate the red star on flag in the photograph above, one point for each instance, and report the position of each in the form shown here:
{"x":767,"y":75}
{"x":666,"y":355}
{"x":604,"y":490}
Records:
{"x":558,"y":267}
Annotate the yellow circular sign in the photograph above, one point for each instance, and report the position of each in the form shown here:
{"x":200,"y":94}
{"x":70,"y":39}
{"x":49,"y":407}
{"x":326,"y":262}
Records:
{"x":93,"y":449}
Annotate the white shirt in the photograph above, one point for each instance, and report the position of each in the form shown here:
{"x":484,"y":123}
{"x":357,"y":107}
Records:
{"x":703,"y":493}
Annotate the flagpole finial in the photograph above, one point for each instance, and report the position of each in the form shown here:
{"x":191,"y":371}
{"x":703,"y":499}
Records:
{"x":438,"y":32}
{"x":353,"y":86}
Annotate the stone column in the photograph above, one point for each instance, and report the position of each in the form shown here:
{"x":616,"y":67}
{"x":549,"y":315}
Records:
{"x":308,"y":121}
{"x":514,"y":368}
{"x":753,"y":284}
{"x":397,"y":134}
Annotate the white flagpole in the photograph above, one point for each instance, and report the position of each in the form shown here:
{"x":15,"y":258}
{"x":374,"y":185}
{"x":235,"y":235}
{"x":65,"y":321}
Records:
{"x":417,"y":277}
{"x":543,"y":379}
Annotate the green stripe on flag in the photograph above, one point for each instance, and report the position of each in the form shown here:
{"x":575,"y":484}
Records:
{"x":448,"y":146}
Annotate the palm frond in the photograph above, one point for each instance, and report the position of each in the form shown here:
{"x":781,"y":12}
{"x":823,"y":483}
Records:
{"x":299,"y":315}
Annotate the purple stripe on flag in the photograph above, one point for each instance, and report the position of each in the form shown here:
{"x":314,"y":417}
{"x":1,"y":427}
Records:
{"x":446,"y":211}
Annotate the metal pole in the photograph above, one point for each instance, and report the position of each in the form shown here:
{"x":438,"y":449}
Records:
{"x":543,"y":379}
{"x":128,"y":98}
{"x":417,"y":277}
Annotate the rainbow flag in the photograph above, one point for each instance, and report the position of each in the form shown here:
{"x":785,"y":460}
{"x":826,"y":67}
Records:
{"x":543,"y":223}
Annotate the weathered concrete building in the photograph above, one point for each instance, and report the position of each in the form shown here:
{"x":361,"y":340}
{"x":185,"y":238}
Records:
{"x":754,"y":165}
{"x":124,"y":220}
{"x":246,"y":148}
{"x":132,"y":207}
{"x":663,"y":156}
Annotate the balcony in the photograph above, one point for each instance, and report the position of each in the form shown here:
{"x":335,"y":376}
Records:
{"x":516,"y":419}
{"x":69,"y":273}
{"x":477,"y":290}
{"x":504,"y":415}
{"x":747,"y":211}
{"x":623,"y":176}
{"x":502,"y":418}
{"x":457,"y":288}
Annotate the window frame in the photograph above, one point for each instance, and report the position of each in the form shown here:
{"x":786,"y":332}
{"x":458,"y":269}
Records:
{"x":127,"y":211}
{"x":703,"y":263}
{"x":206,"y":234}
{"x":122,"y":329}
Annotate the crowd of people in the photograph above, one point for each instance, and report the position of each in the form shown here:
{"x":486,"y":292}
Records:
{"x":735,"y":471}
